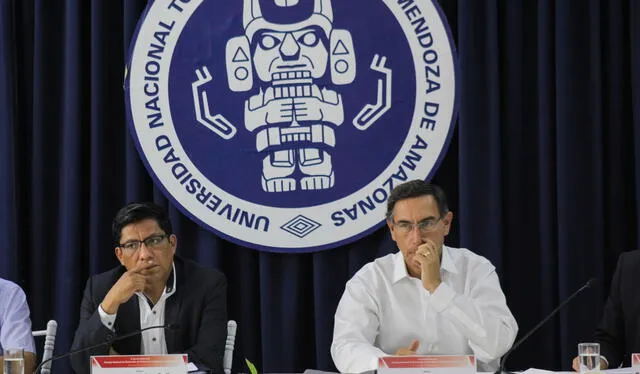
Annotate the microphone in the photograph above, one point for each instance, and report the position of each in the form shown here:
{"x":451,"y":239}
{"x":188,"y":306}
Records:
{"x":589,"y":283}
{"x":170,"y":327}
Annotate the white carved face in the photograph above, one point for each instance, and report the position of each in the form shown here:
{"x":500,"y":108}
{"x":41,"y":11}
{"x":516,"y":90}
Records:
{"x":301,"y":51}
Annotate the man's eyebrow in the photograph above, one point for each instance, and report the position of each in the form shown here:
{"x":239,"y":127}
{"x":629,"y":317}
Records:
{"x":403,"y":221}
{"x":431,"y":218}
{"x":150,"y":236}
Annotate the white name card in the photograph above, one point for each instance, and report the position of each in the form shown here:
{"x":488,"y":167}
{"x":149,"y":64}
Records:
{"x":441,"y":364}
{"x":139,"y":364}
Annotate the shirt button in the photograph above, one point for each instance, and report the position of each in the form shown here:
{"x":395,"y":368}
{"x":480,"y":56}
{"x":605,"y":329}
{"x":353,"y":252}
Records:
{"x":154,"y":339}
{"x":154,"y":312}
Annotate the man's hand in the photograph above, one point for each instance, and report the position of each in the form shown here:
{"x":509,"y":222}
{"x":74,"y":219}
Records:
{"x":29,"y":362}
{"x":408,"y":351}
{"x":576,"y":364}
{"x":428,"y":255}
{"x":134,"y":280}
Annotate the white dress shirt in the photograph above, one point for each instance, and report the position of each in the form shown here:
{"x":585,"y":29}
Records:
{"x":383,"y":309}
{"x":153,"y":340}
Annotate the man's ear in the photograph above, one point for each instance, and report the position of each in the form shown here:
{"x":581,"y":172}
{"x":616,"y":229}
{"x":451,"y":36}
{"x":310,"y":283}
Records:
{"x":391,"y":229}
{"x":173,"y":241}
{"x":448,"y":218}
{"x":119,"y":255}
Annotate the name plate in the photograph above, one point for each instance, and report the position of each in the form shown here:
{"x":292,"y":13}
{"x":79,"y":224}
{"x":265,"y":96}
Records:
{"x":441,"y":364}
{"x":635,"y":363}
{"x":139,"y":364}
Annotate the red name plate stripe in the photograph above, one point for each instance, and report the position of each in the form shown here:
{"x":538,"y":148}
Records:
{"x":109,"y":362}
{"x":426,"y":361}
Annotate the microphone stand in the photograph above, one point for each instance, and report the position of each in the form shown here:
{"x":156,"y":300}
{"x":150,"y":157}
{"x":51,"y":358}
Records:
{"x":170,"y":326}
{"x":536,"y":327}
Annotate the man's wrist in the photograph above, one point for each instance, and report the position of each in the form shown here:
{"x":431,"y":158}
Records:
{"x":109,"y":307}
{"x":431,"y":286}
{"x":107,"y":319}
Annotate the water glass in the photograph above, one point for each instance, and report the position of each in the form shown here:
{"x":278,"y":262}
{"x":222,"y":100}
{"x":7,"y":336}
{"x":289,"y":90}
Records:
{"x":13,"y":361}
{"x":589,"y":354}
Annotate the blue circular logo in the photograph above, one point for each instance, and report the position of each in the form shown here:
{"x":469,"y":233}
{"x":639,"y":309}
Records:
{"x":284,"y":124}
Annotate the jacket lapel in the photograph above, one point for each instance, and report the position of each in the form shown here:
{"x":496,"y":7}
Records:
{"x":127,"y":321}
{"x":172,"y":308}
{"x":171,"y":317}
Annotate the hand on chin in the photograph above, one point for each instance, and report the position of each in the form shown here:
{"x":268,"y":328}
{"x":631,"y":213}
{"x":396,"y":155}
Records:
{"x":416,"y":268}
{"x":153,"y":270}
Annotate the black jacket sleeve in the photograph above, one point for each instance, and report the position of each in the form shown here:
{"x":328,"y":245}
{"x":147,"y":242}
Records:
{"x":611,"y":330}
{"x":212,"y":331}
{"x":90,"y":331}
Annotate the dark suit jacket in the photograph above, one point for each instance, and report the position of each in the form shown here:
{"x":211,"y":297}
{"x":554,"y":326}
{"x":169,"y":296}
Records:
{"x":198,"y":307}
{"x":619,"y":329}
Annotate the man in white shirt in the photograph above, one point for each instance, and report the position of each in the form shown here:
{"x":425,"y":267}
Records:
{"x":15,"y":324}
{"x":426,"y":299}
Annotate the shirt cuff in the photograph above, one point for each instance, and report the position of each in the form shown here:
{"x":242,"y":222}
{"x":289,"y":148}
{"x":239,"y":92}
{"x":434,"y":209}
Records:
{"x":374,"y":363}
{"x":108,"y":320}
{"x":441,"y":297}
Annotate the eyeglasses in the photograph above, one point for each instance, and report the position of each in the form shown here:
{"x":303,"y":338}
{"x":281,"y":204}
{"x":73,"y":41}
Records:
{"x":426,"y":226}
{"x":152,"y":242}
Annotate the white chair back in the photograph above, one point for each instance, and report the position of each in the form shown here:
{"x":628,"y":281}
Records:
{"x":227,"y":361}
{"x":49,"y":344}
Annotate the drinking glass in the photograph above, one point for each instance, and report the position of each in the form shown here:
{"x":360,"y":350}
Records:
{"x":13,"y":361}
{"x":589,"y":354}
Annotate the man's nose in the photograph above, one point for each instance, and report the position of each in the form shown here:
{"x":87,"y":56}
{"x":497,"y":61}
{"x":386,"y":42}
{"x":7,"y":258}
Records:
{"x":144,"y":251}
{"x":289,"y":49}
{"x":415,"y":234}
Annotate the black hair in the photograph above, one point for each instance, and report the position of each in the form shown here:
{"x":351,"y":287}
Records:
{"x":417,"y":188}
{"x":136,"y":212}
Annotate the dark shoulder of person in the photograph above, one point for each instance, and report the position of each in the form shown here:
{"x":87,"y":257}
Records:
{"x":631,"y":259}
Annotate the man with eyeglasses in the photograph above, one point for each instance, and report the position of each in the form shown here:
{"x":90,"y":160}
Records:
{"x":152,"y":287}
{"x":426,"y":299}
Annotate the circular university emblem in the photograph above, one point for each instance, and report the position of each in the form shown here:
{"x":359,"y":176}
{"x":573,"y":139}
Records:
{"x":284,"y":124}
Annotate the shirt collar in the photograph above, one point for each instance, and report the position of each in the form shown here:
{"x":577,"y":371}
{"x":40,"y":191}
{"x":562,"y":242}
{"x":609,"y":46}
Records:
{"x":170,"y":288}
{"x":400,"y":269}
{"x":448,"y":264}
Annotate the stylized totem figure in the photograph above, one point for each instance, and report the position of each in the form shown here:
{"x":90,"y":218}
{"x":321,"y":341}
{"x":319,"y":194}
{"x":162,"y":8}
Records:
{"x":293,"y":118}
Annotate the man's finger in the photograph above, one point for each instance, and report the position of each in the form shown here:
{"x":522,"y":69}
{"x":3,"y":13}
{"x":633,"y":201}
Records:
{"x":139,"y":266}
{"x":137,"y":278}
{"x":140,"y":284}
{"x":414,"y":345}
{"x":143,"y":266}
{"x":430,"y":244}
